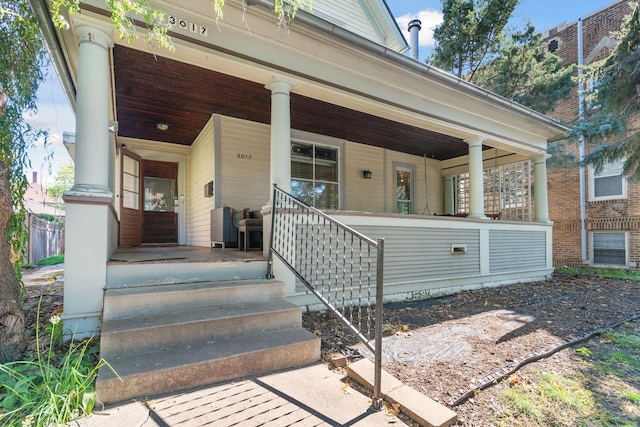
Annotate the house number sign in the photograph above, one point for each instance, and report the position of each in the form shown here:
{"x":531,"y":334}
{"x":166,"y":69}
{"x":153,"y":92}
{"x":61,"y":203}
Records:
{"x":244,"y":156}
{"x":186,"y":25}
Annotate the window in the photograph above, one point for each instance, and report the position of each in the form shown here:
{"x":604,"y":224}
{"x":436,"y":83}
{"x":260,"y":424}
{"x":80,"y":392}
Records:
{"x":404,"y":190}
{"x":608,"y":183}
{"x":609,"y":248}
{"x":314,"y":175}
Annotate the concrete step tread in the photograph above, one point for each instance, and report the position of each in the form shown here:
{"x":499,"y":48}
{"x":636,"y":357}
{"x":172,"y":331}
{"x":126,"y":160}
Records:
{"x":209,"y":314}
{"x":198,"y":352}
{"x":138,"y":289}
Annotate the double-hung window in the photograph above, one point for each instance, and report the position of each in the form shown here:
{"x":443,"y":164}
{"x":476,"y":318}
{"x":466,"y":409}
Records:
{"x":608,"y":183}
{"x":609,"y":248}
{"x":315,"y":175}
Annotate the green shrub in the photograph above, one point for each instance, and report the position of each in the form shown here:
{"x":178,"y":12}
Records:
{"x":54,"y":388}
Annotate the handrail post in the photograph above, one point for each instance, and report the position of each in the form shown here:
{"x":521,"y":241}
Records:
{"x":272,"y":232}
{"x":377,"y":380}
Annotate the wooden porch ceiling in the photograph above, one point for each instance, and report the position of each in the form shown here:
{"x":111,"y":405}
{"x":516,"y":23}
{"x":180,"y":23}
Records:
{"x":152,"y":89}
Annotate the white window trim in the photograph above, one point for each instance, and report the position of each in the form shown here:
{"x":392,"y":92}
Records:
{"x":412,"y":170}
{"x":626,"y":249}
{"x":592,"y":196}
{"x":304,"y":137}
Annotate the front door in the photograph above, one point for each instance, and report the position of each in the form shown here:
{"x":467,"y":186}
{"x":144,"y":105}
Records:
{"x":130,"y":204}
{"x":159,"y":196}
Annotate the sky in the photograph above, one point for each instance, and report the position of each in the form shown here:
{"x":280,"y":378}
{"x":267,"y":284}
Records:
{"x":55,"y":114}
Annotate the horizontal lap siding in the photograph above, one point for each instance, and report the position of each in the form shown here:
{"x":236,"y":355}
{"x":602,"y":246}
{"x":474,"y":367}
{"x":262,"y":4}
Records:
{"x":347,"y":14}
{"x":200,"y":172}
{"x":245,"y":163}
{"x":411,"y":254}
{"x":513,"y":250}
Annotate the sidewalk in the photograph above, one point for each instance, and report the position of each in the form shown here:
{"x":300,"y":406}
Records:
{"x":309,"y":396}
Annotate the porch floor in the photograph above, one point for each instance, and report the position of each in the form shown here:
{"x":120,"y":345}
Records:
{"x":165,"y":254}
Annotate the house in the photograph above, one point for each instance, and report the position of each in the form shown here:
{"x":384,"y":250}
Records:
{"x":596,"y":216}
{"x":329,"y":109}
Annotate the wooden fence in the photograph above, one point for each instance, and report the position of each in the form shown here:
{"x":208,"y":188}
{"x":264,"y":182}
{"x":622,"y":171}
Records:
{"x":46,"y":238}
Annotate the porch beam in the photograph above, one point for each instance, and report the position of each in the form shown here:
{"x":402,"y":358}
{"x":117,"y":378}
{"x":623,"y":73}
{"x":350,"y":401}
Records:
{"x":476,"y":181}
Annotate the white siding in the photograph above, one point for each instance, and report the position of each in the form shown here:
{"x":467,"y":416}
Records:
{"x":200,"y":171}
{"x":516,"y":250}
{"x":364,"y":194}
{"x":245,"y":164}
{"x":347,"y":14}
{"x":429,"y":195}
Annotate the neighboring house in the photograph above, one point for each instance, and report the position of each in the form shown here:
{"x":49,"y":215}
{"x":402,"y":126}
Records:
{"x":597,"y":222}
{"x":37,"y":201}
{"x":329,"y":109}
{"x":46,"y":238}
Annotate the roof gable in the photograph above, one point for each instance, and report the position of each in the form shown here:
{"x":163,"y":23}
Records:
{"x":370,"y":19}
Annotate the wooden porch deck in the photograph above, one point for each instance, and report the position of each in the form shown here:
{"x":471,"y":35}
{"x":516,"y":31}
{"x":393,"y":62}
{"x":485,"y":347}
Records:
{"x":182,"y":254}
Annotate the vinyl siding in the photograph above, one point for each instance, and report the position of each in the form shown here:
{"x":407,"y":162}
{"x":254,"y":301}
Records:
{"x":515,"y":250}
{"x":364,"y":194}
{"x":347,"y":14}
{"x":412,"y":254}
{"x":428,"y":189}
{"x":200,"y":172}
{"x":245,"y":164}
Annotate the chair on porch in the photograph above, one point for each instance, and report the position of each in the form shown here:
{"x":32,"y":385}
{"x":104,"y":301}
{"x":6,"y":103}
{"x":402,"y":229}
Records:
{"x":248,"y":225}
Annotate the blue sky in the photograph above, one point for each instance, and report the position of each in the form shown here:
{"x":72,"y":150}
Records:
{"x":55,"y":114}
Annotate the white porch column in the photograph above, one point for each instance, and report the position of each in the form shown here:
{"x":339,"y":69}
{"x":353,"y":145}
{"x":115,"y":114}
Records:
{"x":449,"y":207}
{"x":280,"y":133}
{"x":540,"y":188}
{"x":476,"y":181}
{"x":91,"y":225}
{"x":92,"y":111}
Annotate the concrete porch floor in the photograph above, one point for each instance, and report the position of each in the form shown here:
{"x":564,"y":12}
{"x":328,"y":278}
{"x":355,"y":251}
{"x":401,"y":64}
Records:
{"x":164,"y":254}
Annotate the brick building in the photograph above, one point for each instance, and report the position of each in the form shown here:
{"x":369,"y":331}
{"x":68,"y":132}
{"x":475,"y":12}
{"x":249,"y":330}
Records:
{"x":605,"y":230}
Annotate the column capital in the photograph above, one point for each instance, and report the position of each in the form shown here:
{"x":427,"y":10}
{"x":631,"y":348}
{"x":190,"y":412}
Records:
{"x":540,"y":158}
{"x":475,"y":140}
{"x":92,"y":32}
{"x":279,"y":85}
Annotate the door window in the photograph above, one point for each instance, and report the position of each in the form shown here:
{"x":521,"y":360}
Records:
{"x":130,"y":183}
{"x":404,"y":190}
{"x":159,"y":194}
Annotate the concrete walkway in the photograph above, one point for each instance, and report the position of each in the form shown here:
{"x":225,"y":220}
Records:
{"x":309,"y":396}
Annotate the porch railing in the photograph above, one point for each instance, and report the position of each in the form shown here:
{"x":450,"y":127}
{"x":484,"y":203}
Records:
{"x":340,"y":266}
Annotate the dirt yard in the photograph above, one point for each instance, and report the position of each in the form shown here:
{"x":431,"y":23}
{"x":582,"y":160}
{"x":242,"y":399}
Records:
{"x":446,"y":346}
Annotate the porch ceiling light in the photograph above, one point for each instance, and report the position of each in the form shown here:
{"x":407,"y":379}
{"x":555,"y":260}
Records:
{"x":162,"y":125}
{"x":366,"y":174}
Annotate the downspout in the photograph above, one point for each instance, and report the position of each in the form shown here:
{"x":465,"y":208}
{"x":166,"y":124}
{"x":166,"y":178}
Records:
{"x":583,"y":206}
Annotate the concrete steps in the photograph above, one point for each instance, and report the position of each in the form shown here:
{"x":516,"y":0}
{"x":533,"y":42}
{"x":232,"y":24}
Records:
{"x":164,"y":338}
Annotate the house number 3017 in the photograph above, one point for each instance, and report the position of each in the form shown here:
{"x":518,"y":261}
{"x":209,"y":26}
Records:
{"x":243,"y":156}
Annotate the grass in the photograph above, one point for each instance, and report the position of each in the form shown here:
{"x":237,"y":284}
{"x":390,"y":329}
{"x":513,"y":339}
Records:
{"x":52,"y":260}
{"x":606,"y":273}
{"x":54,"y":388}
{"x":604,"y":390}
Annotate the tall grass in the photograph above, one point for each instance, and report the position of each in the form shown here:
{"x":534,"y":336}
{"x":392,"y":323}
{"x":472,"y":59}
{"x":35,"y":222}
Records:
{"x":54,"y":388}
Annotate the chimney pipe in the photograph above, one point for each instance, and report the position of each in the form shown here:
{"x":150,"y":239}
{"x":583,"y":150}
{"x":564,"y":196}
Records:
{"x":34,"y":177}
{"x":414,"y":29}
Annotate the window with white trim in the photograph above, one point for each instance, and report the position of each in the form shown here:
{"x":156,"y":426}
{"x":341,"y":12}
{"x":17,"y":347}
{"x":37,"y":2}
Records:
{"x":609,"y":248}
{"x":404,"y":193}
{"x":608,"y":183}
{"x":315,"y":175}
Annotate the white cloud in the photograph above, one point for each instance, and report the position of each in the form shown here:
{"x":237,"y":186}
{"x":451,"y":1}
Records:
{"x":430,"y":18}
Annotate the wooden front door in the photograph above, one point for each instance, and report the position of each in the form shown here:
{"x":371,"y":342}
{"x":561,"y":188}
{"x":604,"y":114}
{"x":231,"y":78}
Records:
{"x":130,"y":202}
{"x":160,"y":192}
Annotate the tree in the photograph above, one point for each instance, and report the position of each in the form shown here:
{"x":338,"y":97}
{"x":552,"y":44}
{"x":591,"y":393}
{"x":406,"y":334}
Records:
{"x":22,"y":59}
{"x":470,"y":34}
{"x":612,"y":124}
{"x":526,"y":72}
{"x":62,"y":182}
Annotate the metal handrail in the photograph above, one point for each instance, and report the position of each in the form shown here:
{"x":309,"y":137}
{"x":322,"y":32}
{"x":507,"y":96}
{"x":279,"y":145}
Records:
{"x":335,"y":263}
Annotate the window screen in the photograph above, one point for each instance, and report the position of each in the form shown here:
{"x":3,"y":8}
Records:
{"x":609,"y":248}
